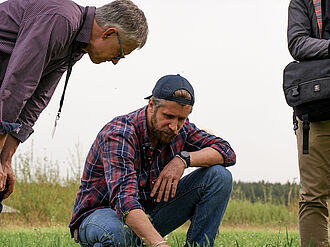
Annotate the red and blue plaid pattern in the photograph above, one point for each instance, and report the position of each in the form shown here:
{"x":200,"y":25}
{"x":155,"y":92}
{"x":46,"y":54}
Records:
{"x":121,"y":166}
{"x":318,"y":12}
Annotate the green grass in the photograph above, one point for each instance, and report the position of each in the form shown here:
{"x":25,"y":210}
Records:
{"x":30,"y":237}
{"x":45,"y":199}
{"x":60,"y":236}
{"x":259,"y":213}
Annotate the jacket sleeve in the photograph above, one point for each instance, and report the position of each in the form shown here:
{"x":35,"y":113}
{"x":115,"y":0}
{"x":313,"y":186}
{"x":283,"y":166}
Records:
{"x":303,"y":33}
{"x":25,"y":90}
{"x":35,"y":105}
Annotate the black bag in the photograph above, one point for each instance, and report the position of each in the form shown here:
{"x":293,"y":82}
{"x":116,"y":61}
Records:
{"x":306,"y":86}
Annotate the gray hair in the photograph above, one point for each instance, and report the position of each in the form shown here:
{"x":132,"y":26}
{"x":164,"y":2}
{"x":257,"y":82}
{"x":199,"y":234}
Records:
{"x":127,"y":18}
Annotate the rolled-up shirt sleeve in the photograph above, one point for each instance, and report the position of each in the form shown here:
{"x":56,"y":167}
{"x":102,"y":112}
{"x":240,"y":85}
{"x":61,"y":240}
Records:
{"x":198,"y":139}
{"x":26,"y":90}
{"x":118,"y":159}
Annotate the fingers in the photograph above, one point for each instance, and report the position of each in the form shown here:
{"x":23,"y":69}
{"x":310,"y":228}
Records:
{"x":164,"y":187}
{"x":10,"y":186}
{"x":161,"y":190}
{"x":76,"y":235}
{"x":155,"y":188}
{"x":174,"y":187}
{"x":160,"y":187}
{"x":168,"y":189}
{"x":3,"y":178}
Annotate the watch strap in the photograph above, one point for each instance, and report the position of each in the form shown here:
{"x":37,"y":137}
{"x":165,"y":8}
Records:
{"x":183,"y":160}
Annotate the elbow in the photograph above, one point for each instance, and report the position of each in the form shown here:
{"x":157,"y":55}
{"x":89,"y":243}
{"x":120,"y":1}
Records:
{"x":295,"y":51}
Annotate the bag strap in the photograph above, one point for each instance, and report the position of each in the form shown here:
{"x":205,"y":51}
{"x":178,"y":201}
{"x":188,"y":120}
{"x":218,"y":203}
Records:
{"x":318,"y":12}
{"x":68,"y":73}
{"x":306,"y":128}
{"x":295,"y":121}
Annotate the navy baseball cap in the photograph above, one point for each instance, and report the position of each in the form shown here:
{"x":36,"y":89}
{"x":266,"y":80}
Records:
{"x":168,"y":84}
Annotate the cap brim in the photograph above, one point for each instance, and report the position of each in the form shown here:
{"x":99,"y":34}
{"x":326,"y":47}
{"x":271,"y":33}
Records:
{"x":148,"y":97}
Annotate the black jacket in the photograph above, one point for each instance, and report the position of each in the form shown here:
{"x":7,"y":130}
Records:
{"x":303,"y":32}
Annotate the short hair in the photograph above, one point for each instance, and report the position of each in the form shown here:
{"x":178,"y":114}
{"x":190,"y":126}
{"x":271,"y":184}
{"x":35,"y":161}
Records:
{"x":127,"y":18}
{"x":181,"y":93}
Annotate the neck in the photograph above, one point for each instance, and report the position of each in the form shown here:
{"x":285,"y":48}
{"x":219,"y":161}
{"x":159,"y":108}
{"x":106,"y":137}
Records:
{"x":96,"y":33}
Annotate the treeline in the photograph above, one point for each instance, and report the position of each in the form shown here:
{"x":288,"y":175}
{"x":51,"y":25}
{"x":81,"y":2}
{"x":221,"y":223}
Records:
{"x":275,"y":193}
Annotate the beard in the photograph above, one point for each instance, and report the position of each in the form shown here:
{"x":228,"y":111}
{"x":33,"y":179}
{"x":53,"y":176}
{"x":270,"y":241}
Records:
{"x":160,"y":136}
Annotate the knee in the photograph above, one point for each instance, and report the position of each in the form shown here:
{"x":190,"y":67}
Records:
{"x":98,"y":236}
{"x":220,"y":177}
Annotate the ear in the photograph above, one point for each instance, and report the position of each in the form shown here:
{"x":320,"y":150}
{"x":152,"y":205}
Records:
{"x":106,"y":34}
{"x":151,"y":106}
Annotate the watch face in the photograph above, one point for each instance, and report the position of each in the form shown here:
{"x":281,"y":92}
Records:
{"x":185,"y":154}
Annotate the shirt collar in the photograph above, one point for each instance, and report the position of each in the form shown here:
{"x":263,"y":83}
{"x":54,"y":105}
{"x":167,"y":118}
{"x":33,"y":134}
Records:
{"x":143,"y":127}
{"x":84,"y":35}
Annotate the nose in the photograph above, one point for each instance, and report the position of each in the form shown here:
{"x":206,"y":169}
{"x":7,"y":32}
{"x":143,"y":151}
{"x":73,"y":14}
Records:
{"x":174,"y":125}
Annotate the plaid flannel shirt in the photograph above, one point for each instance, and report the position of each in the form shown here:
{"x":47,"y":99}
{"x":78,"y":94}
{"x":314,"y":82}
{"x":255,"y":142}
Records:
{"x":121,"y":165}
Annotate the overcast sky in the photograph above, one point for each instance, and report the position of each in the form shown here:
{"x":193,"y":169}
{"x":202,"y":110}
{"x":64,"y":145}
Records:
{"x":232,"y":52}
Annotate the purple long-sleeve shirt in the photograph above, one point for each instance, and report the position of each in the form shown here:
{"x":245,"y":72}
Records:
{"x":36,"y":37}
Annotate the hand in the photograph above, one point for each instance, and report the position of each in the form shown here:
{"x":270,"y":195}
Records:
{"x":3,"y":178}
{"x":76,"y":235}
{"x":165,"y":244}
{"x":10,"y":182}
{"x":168,"y":178}
{"x":7,"y":177}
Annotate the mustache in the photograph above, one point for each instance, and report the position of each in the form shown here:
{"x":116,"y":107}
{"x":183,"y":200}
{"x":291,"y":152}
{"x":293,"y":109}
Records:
{"x":171,"y":133}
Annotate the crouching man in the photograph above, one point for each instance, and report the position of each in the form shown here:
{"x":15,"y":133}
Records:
{"x":132,"y":190}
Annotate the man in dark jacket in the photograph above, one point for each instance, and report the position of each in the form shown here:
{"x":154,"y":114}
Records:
{"x":38,"y":38}
{"x":309,"y":38}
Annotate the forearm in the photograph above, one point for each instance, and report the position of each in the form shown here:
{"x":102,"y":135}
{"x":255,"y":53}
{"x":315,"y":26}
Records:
{"x":138,"y":221}
{"x":2,"y":140}
{"x":205,"y":157}
{"x":8,"y":150}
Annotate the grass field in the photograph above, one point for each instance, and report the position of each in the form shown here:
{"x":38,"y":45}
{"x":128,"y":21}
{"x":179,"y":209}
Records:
{"x":45,"y":201}
{"x":60,"y":237}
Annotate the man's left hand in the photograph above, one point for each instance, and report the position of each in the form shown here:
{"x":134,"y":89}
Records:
{"x":168,"y":179}
{"x":10,"y":183}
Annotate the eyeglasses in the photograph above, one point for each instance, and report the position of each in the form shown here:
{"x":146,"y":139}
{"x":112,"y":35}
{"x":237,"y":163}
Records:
{"x":121,"y":49}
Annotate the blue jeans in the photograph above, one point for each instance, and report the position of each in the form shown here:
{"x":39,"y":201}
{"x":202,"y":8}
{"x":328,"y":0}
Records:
{"x":202,"y":197}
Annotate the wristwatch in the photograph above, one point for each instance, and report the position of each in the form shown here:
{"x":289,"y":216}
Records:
{"x":186,"y":157}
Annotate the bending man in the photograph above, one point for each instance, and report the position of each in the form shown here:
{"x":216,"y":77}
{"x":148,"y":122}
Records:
{"x":135,"y":167}
{"x":38,"y":40}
